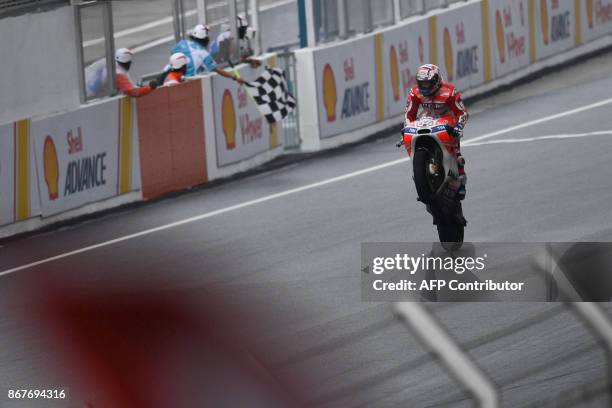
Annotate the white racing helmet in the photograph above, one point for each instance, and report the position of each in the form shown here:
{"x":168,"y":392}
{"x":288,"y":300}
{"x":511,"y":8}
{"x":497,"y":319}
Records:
{"x":429,"y":79}
{"x":123,"y":55}
{"x":178,"y":61}
{"x":200,"y":32}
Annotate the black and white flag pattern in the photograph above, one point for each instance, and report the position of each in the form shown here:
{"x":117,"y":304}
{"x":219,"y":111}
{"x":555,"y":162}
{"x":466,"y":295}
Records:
{"x":270,"y":93}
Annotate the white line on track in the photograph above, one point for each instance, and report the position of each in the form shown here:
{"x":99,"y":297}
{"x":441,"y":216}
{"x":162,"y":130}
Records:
{"x":300,"y":189}
{"x":535,"y":139}
{"x":206,"y":215}
{"x":538,"y":121}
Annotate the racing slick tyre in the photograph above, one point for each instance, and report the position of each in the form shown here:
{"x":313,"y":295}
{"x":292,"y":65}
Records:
{"x":424,"y":182}
{"x":451,"y":235}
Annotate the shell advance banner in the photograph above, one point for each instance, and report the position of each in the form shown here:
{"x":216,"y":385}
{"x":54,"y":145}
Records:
{"x":406,"y":48}
{"x":346,"y":86}
{"x":509,"y":35}
{"x":7,"y":175}
{"x":241,"y":131}
{"x":458,"y":46}
{"x":77,"y":157}
{"x":595,"y":18}
{"x":554,"y":29}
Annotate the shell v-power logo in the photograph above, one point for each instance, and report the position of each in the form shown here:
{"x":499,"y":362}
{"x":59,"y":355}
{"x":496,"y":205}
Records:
{"x":598,"y":13}
{"x":228,"y":119}
{"x":51,"y":168}
{"x":556,"y":21}
{"x":401,"y":77}
{"x":330,"y":93}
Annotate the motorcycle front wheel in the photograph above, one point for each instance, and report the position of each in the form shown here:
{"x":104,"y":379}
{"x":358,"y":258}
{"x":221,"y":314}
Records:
{"x":450,"y":232}
{"x":425,"y":182}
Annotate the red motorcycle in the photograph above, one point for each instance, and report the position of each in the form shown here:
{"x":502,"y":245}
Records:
{"x":432,"y":147}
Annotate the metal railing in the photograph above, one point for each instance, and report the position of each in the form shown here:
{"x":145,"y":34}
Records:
{"x":95,"y":18}
{"x":340,"y":19}
{"x":291,"y":124}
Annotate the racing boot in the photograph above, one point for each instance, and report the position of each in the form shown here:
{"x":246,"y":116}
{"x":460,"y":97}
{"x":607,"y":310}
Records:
{"x":461,"y":163}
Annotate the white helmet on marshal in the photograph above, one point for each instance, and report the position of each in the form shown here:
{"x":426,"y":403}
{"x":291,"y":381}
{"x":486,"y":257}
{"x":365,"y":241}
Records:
{"x":123,"y":55}
{"x":200,"y":31}
{"x":178,"y":61}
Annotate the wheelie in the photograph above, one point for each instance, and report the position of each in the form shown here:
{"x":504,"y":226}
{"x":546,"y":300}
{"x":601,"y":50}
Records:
{"x":435,"y":118}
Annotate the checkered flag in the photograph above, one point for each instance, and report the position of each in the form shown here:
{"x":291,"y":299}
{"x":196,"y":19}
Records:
{"x":270,"y":93}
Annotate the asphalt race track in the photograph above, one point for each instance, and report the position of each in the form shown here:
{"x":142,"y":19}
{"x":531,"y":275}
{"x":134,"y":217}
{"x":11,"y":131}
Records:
{"x":297,"y":256}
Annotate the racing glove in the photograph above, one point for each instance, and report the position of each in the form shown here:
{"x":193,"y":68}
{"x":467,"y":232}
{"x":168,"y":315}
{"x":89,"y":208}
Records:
{"x":454,"y":131}
{"x":458,"y":132}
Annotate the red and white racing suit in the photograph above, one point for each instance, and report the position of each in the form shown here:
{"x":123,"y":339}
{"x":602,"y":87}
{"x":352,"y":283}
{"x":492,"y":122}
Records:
{"x":126,"y":86}
{"x":445,"y":102}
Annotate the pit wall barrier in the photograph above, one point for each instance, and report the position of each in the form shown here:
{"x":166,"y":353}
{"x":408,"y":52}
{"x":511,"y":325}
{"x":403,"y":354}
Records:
{"x":360,"y":85}
{"x":240,"y":137}
{"x":171,"y":139}
{"x":82,"y":159}
{"x":121,"y":150}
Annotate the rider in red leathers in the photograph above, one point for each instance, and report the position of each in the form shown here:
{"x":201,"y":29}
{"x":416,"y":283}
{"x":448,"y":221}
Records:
{"x":438,"y":98}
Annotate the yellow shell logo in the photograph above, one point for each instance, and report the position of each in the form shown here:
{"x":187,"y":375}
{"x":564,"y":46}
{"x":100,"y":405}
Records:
{"x":51,"y":168}
{"x":499,"y":33}
{"x":544,"y":20}
{"x":228,"y":118}
{"x":329,"y":93}
{"x":589,"y":12}
{"x":394,"y":66}
{"x":448,"y":54}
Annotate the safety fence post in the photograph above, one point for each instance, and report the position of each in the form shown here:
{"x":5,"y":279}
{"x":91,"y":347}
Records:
{"x":202,"y":15}
{"x":177,"y":19}
{"x":342,"y":18}
{"x":233,"y":18}
{"x":434,"y":336}
{"x":367,"y":16}
{"x":310,"y":23}
{"x":397,"y":11}
{"x":79,"y":49}
{"x":256,"y":26}
{"x":109,"y":43}
{"x":597,"y":320}
{"x":590,"y":313}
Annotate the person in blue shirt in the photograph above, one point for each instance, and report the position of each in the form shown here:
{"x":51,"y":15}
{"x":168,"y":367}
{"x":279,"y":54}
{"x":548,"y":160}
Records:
{"x":199,"y":60}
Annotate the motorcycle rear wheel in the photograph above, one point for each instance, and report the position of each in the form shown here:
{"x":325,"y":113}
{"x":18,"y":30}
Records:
{"x":450,"y":235}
